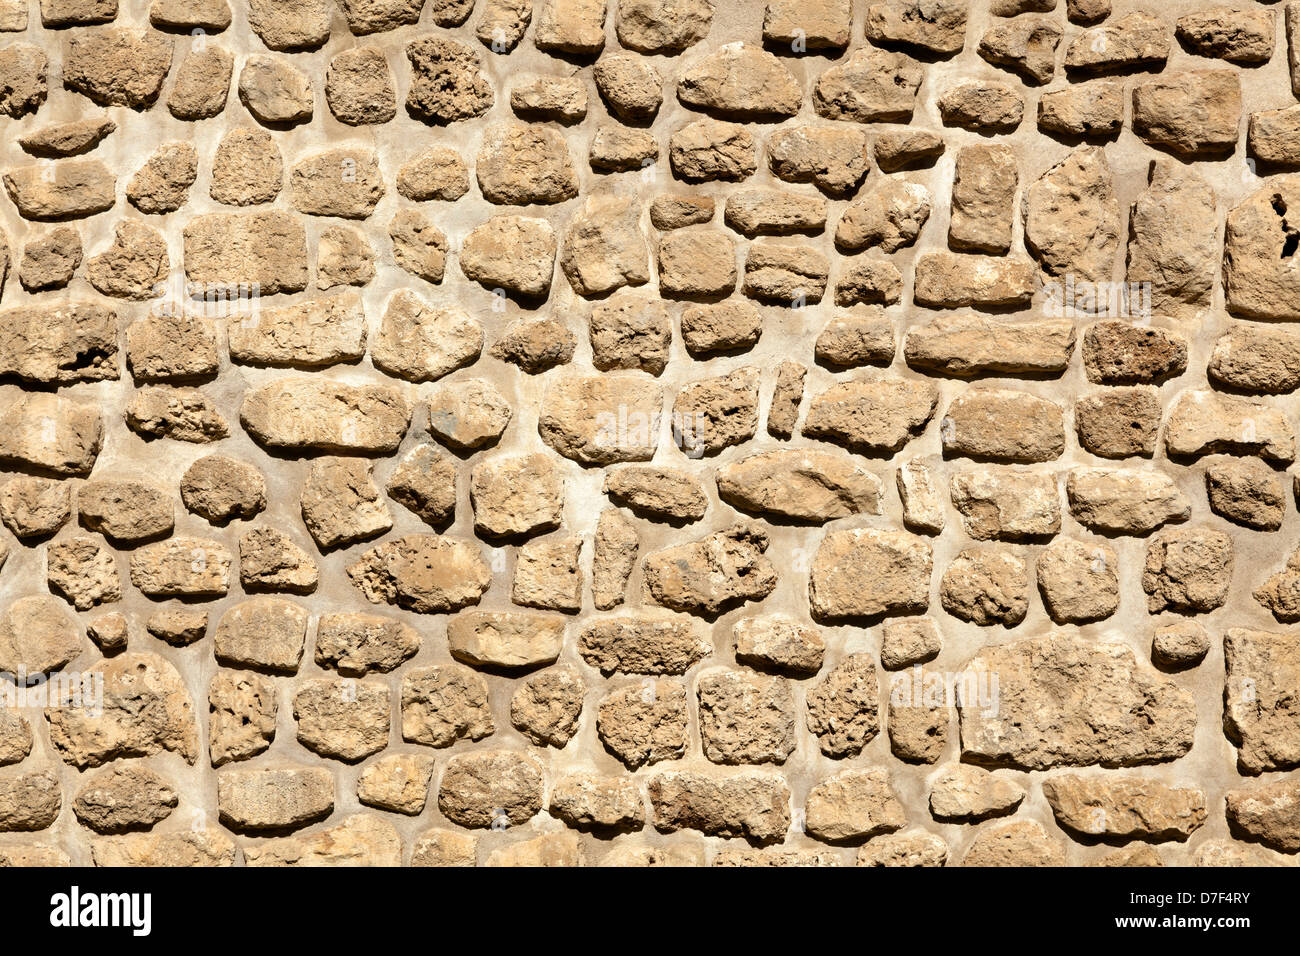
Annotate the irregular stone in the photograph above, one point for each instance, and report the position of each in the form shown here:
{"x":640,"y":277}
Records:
{"x":899,"y":149}
{"x":745,"y":717}
{"x":266,"y":633}
{"x":290,"y":24}
{"x":971,"y":344}
{"x":908,"y":848}
{"x":631,"y":331}
{"x":67,"y":139}
{"x":986,"y":587}
{"x":994,"y":424}
{"x":968,"y":794}
{"x":908,"y":641}
{"x":51,"y":433}
{"x":202,"y":84}
{"x":443,"y":704}
{"x":1192,"y":113}
{"x":121,"y":798}
{"x":262,"y":250}
{"x":326,"y":416}
{"x":1271,"y":136}
{"x":615,"y":554}
{"x":514,"y":253}
{"x":1116,"y":501}
{"x":82,"y":572}
{"x":1187,"y":570}
{"x":983,"y":106}
{"x":61,"y":189}
{"x":546,"y":707}
{"x":487,"y":785}
{"x":938,"y":28}
{"x":843,"y":707}
{"x":439,"y":847}
{"x":656,"y":492}
{"x":398,"y":783}
{"x":662,"y":26}
{"x":437,"y":173}
{"x":425,"y":573}
{"x":519,"y":165}
{"x":619,"y":149}
{"x":710,"y":575}
{"x":59,"y":345}
{"x":857,"y":338}
{"x":447,"y":81}
{"x":1258,"y":245}
{"x":359,"y":87}
{"x":172,"y":348}
{"x":1119,"y":353}
{"x":49,"y":261}
{"x":864,"y":572}
{"x":1085,"y":109}
{"x":1026,"y":45}
{"x":146,"y":709}
{"x":1125,"y":807}
{"x":644,"y":722}
{"x":1247,"y":492}
{"x":509,"y":640}
{"x":570,"y":27}
{"x":853,"y":805}
{"x":822,"y":25}
{"x":34,"y":507}
{"x":710,"y":149}
{"x":344,"y":719}
{"x":355,"y":644}
{"x":696,"y":263}
{"x":516,"y":495}
{"x":126,"y":511}
{"x":275,"y":91}
{"x":341,"y":503}
{"x":1179,"y":645}
{"x":1070,"y":701}
{"x":182,"y":848}
{"x":800,"y":485}
{"x":752,"y":805}
{"x":24,"y":69}
{"x":880,"y":415}
{"x":248,"y":168}
{"x":182,"y":566}
{"x":945,"y":280}
{"x":1267,"y":814}
{"x":587,"y":801}
{"x":741,"y":81}
{"x":343,"y":182}
{"x":1203,"y":422}
{"x":1079,"y":582}
{"x":241,"y":715}
{"x":1135,"y":41}
{"x":1172,"y":244}
{"x":918,"y":490}
{"x":630,"y":85}
{"x":1072,"y":219}
{"x":786,"y":398}
{"x":832,"y":158}
{"x":604,"y":248}
{"x":1018,"y":843}
{"x":778,"y":643}
{"x":1260,"y":715}
{"x":182,"y":414}
{"x":117,"y":66}
{"x":889,"y":216}
{"x":983,"y":188}
{"x":1006,"y":505}
{"x":360,"y":840}
{"x":425,"y":482}
{"x":274,"y":798}
{"x":1119,"y":422}
{"x":178,"y":626}
{"x":270,"y":561}
{"x":601,"y":419}
{"x":643,"y":645}
{"x":563,"y":99}
{"x":29,"y":799}
{"x":419,"y":246}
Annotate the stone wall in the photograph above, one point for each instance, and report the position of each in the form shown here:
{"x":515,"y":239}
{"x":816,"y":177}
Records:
{"x":649,"y":432}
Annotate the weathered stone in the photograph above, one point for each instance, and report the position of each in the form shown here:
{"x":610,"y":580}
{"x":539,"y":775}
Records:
{"x":519,"y":165}
{"x":509,"y":640}
{"x":938,"y":27}
{"x":342,"y":718}
{"x":832,"y":158}
{"x":1179,"y":645}
{"x":1238,"y":36}
{"x":889,"y":216}
{"x":968,"y":794}
{"x":360,"y":840}
{"x":824,"y":24}
{"x":656,"y":492}
{"x":900,"y":149}
{"x":563,"y":99}
{"x":1026,"y":45}
{"x":946,"y":280}
{"x":696,"y":263}
{"x":1020,"y":843}
{"x":146,"y":709}
{"x":162,"y":184}
{"x":516,"y":495}
{"x":986,"y":587}
{"x":59,"y":344}
{"x":631,"y":331}
{"x":546,"y":707}
{"x":269,"y":560}
{"x":341,"y":504}
{"x":1173,"y":228}
{"x":908,"y":848}
{"x":29,"y":799}
{"x":202,"y":84}
{"x":189,"y":567}
{"x":419,"y":246}
{"x":713,"y":574}
{"x":778,"y":643}
{"x":918,"y":490}
{"x":24,"y":69}
{"x":248,"y":168}
{"x":971,"y":344}
{"x":643,"y":645}
{"x":355,"y":644}
{"x":1272,"y":135}
{"x":869,"y":281}
{"x":867,"y":572}
{"x":745,"y":717}
{"x":274,"y":798}
{"x":182,"y":848}
{"x":879,"y":415}
{"x":262,"y":632}
{"x":486,"y":785}
{"x":909,"y":641}
{"x":843,"y":707}
{"x":536,"y":345}
{"x":630,"y":86}
{"x":275,"y":91}
{"x":1078,"y":581}
{"x":750,"y":804}
{"x":619,"y":149}
{"x":440,"y":847}
{"x":1135,"y":41}
{"x":853,"y":805}
{"x":1083,"y":109}
{"x":425,"y":573}
{"x":326,"y":416}
{"x":1260,"y":714}
{"x":443,"y":704}
{"x":1202,"y":422}
{"x":172,"y":348}
{"x":83,"y":572}
{"x":514,"y":253}
{"x":786,"y":398}
{"x":662,"y":26}
{"x":857,"y":338}
{"x":126,"y":511}
{"x":425,"y":482}
{"x":448,"y":83}
{"x":241,"y":716}
{"x":343,"y":182}
{"x":61,"y":189}
{"x":601,"y":419}
{"x":1069,"y":701}
{"x":996,"y":424}
{"x":181,"y":414}
{"x":1187,"y":570}
{"x":437,"y":173}
{"x":1072,"y":221}
{"x":1247,"y":492}
{"x":121,"y":798}
{"x":290,"y":24}
{"x":604,"y":248}
{"x":179,"y":626}
{"x":1119,"y":353}
{"x":1125,"y":807}
{"x":588,"y":801}
{"x":117,"y":66}
{"x":615,"y":553}
{"x":1257,"y":252}
{"x":645,"y":722}
{"x":49,"y":261}
{"x":359,"y":87}
{"x":741,"y":81}
{"x":1119,"y":423}
{"x":1193,"y":113}
{"x":1269,"y":814}
{"x":711,"y":149}
{"x":67,"y":139}
{"x":982,"y":106}
{"x":807,"y":486}
{"x":51,"y":433}
{"x":398,"y":783}
{"x":262,"y":250}
{"x":1007,"y":505}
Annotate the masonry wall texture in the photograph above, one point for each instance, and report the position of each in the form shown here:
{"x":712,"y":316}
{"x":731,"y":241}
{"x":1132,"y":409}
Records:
{"x":649,"y":432}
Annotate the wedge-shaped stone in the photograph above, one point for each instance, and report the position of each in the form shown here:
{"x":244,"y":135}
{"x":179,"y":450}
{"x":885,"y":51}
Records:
{"x":637,"y":644}
{"x":972,"y":344}
{"x":317,"y":414}
{"x":812,"y":486}
{"x":1007,"y":504}
{"x":871,"y":416}
{"x":865,"y":572}
{"x":1125,"y":501}
{"x":323,"y":331}
{"x":425,"y":573}
{"x":505,"y":639}
{"x":1202,"y":422}
{"x":1125,"y":807}
{"x":1069,"y":701}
